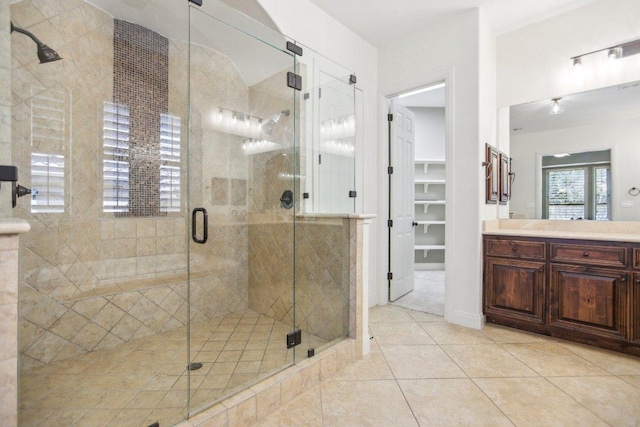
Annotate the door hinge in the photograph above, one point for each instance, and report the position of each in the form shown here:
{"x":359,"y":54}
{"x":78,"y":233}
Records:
{"x":319,"y":92}
{"x":352,"y":193}
{"x":292,"y":47}
{"x":389,"y":117}
{"x":294,"y":81}
{"x":196,"y":2}
{"x":352,"y":79}
{"x":389,"y":223}
{"x":319,"y":159}
{"x":305,"y":195}
{"x":390,"y":170}
{"x":306,"y":96}
{"x":294,"y":338}
{"x":389,"y":276}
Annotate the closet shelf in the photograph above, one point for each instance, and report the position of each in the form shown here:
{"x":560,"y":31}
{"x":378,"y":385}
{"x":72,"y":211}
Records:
{"x":429,"y":181}
{"x":427,"y":248}
{"x":429,"y":202}
{"x":430,"y":161}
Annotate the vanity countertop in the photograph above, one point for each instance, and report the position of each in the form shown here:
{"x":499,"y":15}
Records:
{"x":619,"y":231}
{"x":14,"y":226}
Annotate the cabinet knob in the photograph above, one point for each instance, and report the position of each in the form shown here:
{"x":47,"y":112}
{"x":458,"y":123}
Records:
{"x":514,"y":248}
{"x":585,"y":254}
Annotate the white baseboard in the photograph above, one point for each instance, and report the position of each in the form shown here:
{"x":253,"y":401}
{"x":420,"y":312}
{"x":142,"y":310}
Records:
{"x":462,"y":318}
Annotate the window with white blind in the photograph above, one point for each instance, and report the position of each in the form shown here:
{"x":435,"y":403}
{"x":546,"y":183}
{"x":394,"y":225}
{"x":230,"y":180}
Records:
{"x":170,"y":127}
{"x":116,"y":163}
{"x":47,"y":183}
{"x":578,"y":192}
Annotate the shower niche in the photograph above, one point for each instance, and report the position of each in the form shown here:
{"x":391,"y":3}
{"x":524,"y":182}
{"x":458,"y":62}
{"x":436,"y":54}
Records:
{"x":123,"y":304}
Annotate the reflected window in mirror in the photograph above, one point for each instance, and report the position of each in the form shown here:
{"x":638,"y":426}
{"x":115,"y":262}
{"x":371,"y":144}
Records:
{"x":577,"y":186}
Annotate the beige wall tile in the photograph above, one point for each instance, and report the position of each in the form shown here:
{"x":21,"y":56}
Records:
{"x":8,"y":277}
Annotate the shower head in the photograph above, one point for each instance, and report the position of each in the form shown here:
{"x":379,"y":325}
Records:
{"x":267,"y":126}
{"x":45,"y":53}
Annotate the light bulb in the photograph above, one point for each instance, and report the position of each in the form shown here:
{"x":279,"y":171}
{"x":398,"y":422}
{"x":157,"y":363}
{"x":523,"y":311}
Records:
{"x":556,"y":108}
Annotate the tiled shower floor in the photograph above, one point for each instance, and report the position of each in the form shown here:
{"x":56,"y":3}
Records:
{"x":145,"y":380}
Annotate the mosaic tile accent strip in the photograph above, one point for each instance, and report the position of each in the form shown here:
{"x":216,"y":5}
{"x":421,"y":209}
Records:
{"x":141,"y":82}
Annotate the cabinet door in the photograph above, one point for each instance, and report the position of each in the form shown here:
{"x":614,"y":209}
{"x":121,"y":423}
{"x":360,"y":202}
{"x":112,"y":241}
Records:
{"x":589,"y":301}
{"x":635,"y":309}
{"x":515,"y":289}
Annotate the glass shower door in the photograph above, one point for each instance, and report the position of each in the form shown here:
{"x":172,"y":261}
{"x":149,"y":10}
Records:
{"x":241,"y":172}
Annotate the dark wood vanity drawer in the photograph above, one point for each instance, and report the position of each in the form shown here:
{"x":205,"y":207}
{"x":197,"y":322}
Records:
{"x":636,"y":258}
{"x":610,"y":256}
{"x":516,"y":248}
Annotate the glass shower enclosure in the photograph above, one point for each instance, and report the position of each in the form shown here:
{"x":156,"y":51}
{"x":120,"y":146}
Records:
{"x":177,"y":165}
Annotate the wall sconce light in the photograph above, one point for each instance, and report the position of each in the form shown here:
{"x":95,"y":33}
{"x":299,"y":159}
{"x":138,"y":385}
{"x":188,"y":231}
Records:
{"x":556,"y":108}
{"x":614,"y":52}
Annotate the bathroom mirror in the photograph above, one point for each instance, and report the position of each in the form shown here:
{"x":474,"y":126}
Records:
{"x":596,"y":120}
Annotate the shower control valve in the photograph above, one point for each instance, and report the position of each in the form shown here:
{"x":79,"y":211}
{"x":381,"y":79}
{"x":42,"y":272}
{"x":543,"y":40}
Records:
{"x":10,"y":174}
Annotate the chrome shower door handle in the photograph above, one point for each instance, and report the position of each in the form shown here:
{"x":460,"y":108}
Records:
{"x":205,"y":225}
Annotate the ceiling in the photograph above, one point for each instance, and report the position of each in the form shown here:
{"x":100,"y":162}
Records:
{"x":382,"y":21}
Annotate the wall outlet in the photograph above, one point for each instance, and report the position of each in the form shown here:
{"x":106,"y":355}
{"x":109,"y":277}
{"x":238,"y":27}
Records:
{"x":626,"y":204}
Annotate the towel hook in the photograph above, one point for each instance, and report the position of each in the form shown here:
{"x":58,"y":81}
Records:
{"x":489,"y":167}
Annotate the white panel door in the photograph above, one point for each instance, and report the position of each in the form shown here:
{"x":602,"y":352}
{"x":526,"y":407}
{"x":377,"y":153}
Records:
{"x":402,"y":201}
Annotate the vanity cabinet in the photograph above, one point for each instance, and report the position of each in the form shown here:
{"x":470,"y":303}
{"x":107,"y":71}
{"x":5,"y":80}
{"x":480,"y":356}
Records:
{"x":515,"y":289}
{"x":589,"y":301}
{"x":585,"y":291}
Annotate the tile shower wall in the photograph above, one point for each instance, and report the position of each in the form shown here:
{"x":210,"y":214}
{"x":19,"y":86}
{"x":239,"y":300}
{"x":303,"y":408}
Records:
{"x":322,"y":275}
{"x":90,"y":280}
{"x":5,"y":105}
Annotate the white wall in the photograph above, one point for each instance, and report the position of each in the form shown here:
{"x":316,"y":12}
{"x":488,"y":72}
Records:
{"x":622,"y":137}
{"x":447,"y":49}
{"x":488,"y":121}
{"x":429,"y":132}
{"x":306,"y":23}
{"x":533,"y":62}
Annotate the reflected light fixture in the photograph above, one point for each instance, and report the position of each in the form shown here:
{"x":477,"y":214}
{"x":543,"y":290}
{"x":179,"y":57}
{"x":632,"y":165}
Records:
{"x":556,"y":108}
{"x":562,"y":155}
{"x":613,"y":52}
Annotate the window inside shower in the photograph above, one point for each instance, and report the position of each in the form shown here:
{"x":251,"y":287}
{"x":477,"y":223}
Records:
{"x":135,"y":306}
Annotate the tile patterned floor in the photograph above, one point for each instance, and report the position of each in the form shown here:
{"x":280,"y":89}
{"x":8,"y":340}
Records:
{"x":423,"y":371}
{"x":145,"y":380}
